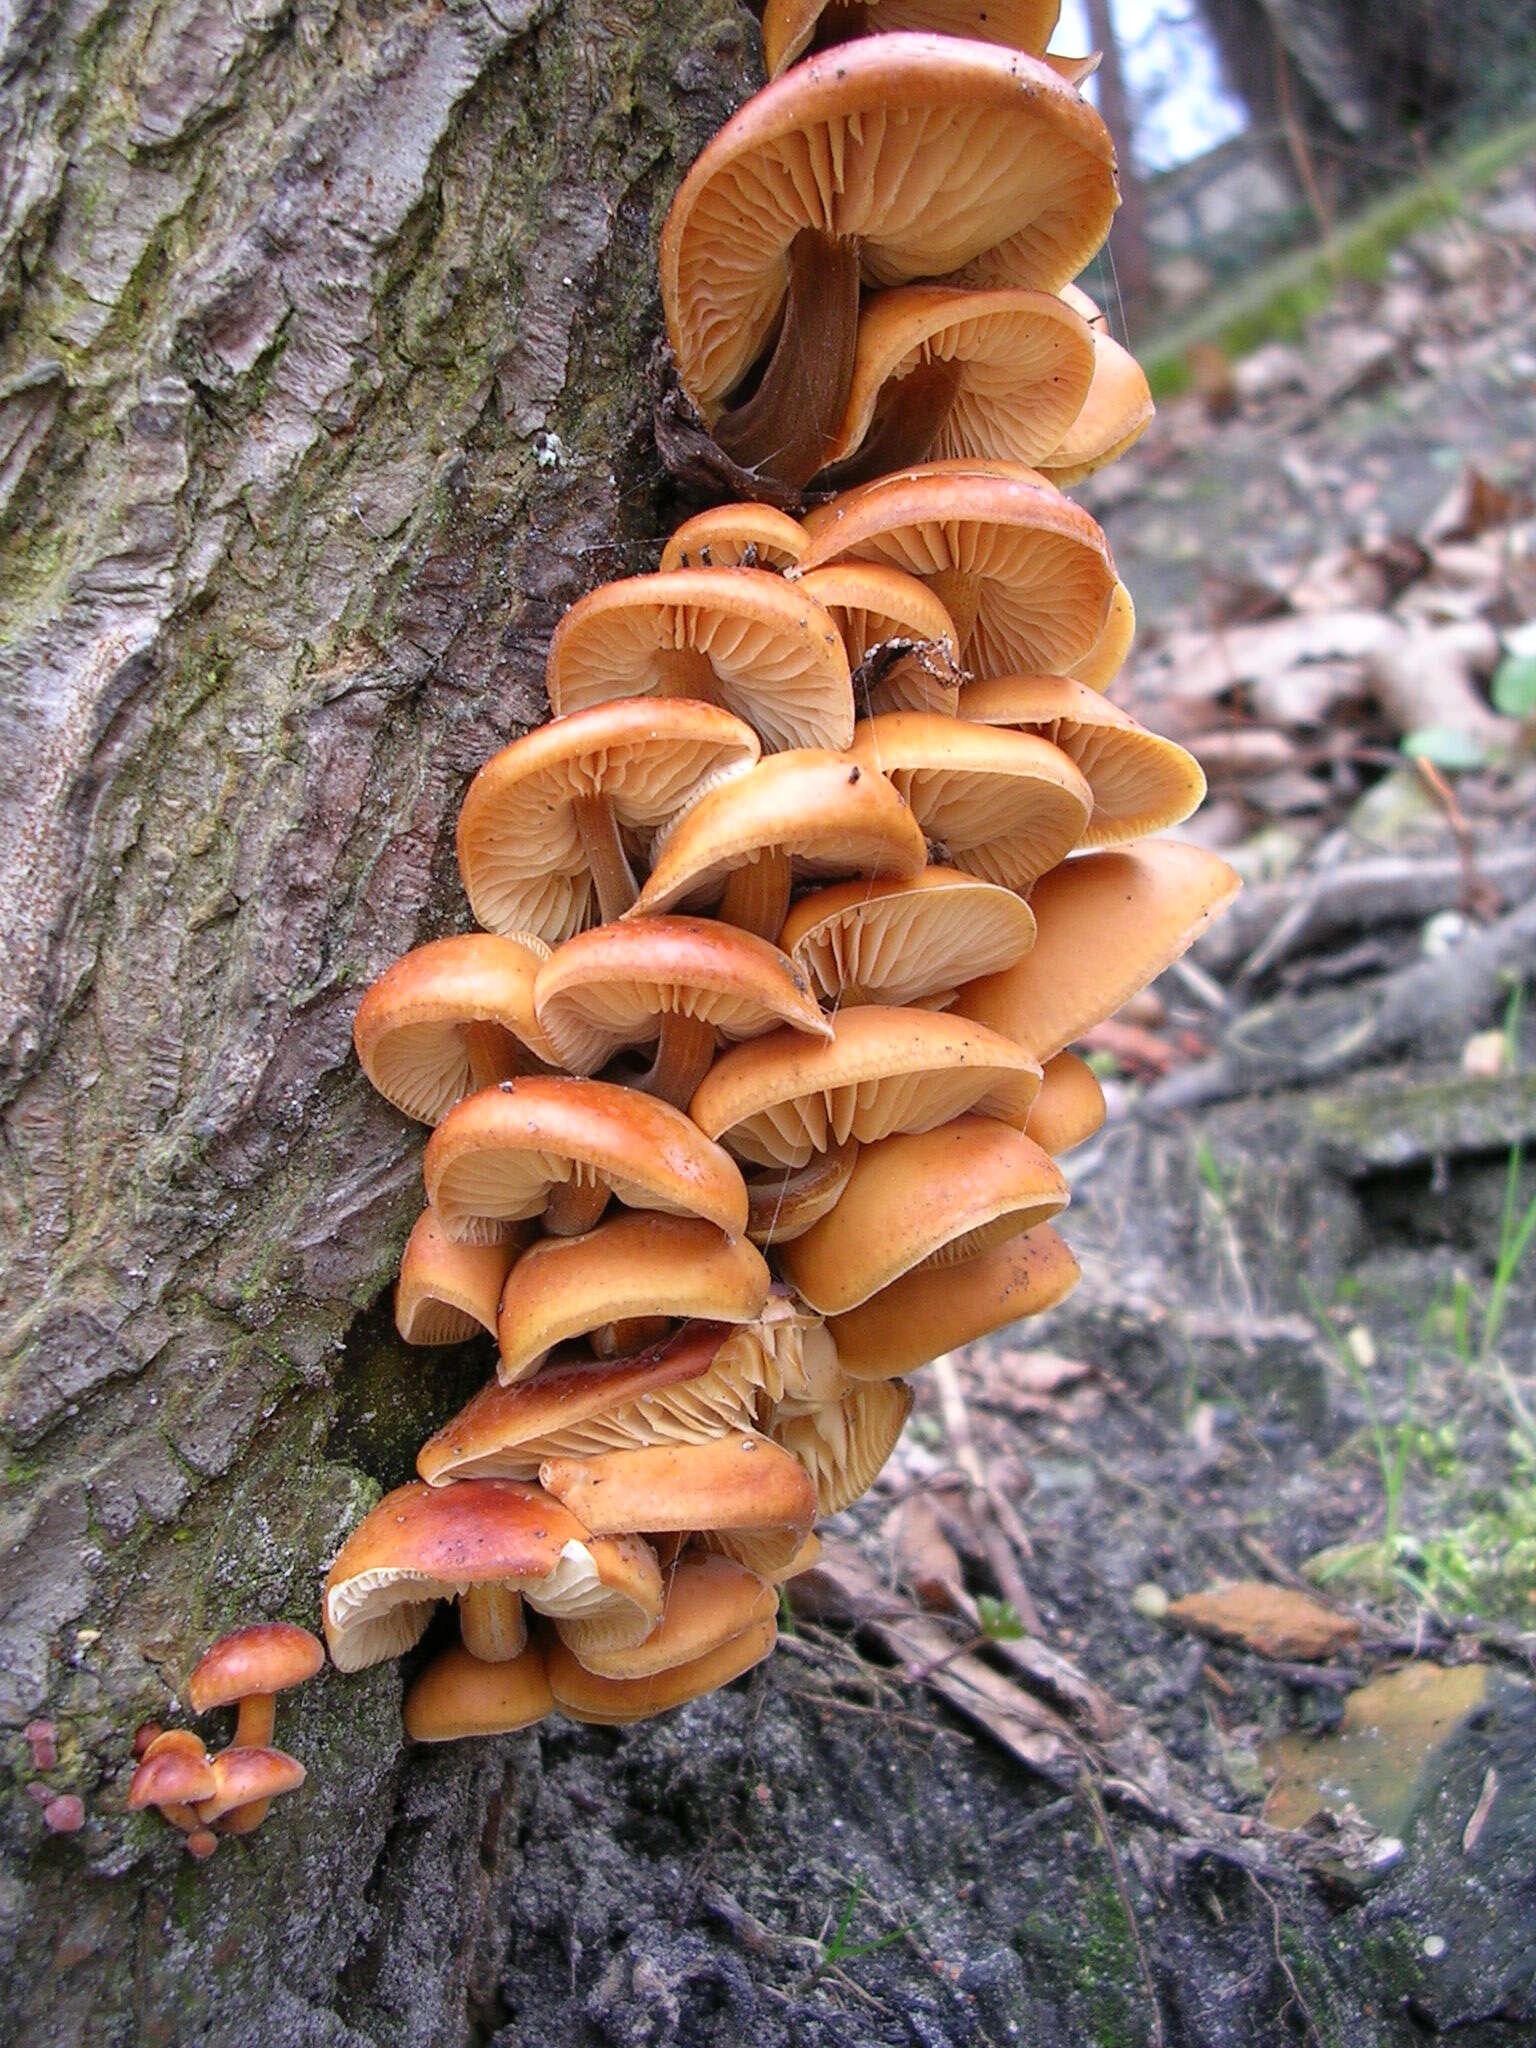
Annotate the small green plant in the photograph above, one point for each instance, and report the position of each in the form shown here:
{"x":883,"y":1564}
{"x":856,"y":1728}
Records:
{"x":1384,"y":1556}
{"x":837,"y":1948}
{"x":997,"y":1621}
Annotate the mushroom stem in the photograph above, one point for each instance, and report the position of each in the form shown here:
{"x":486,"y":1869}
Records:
{"x":756,"y":897}
{"x":493,"y":1056}
{"x":612,"y":875}
{"x":491,"y":1623}
{"x":629,"y":1334}
{"x":786,"y":426}
{"x":783,"y":1204}
{"x":959,"y":591}
{"x":256,"y":1721}
{"x":575,"y":1208}
{"x":244,"y":1820}
{"x":685,"y":1051}
{"x":909,"y":417}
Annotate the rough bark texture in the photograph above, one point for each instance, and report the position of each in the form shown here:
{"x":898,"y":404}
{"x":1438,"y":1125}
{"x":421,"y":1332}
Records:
{"x":324,"y":387}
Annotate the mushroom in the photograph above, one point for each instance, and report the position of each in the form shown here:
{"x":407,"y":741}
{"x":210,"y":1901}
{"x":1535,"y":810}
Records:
{"x":1141,"y":782}
{"x":246,"y":1781}
{"x":447,"y":1291}
{"x":783,"y":1099}
{"x":1107,"y":656}
{"x":843,"y":1444}
{"x":247,"y":1669}
{"x":173,"y":1774}
{"x":690,"y":1388}
{"x":1113,"y":417}
{"x":741,"y":638}
{"x":737,"y":1481}
{"x":905,"y":941}
{"x":458,"y":1694}
{"x":558,"y":1148}
{"x":939,"y":1195}
{"x":897,"y":158}
{"x":541,"y":832}
{"x":791,"y":27}
{"x":678,"y":983}
{"x":1069,"y":1108}
{"x":710,"y":1601}
{"x":934,"y":1309}
{"x":706,"y":1381}
{"x":814,"y":811}
{"x":1005,"y":806}
{"x":613,"y":1702}
{"x":940,"y":372}
{"x":736,"y":537}
{"x":1107,"y":925}
{"x":490,"y":1544}
{"x":901,"y":641}
{"x":629,"y":1272}
{"x":1024,"y":573}
{"x":451,"y":1017}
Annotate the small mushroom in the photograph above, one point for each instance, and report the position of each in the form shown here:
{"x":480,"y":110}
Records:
{"x":451,"y":1017}
{"x":446,"y":1291}
{"x":1115,"y":414}
{"x":542,"y":831}
{"x":1141,"y":783}
{"x":905,"y":942}
{"x":782,"y":1099}
{"x":490,"y":1544}
{"x":246,"y":1781}
{"x":678,"y":983}
{"x":247,"y":1669}
{"x":1024,"y":573}
{"x":1107,"y":925}
{"x":934,"y":1309}
{"x":740,"y":638}
{"x":791,"y":27}
{"x":1070,"y":1107}
{"x":896,"y":158}
{"x":629,"y":1272}
{"x":938,"y":1195}
{"x":807,"y":811}
{"x":1005,"y":806}
{"x":710,"y":1601}
{"x":558,"y":1148}
{"x":901,"y":641}
{"x":457,"y":1695}
{"x":736,"y":537}
{"x":940,"y":373}
{"x":613,"y":1702}
{"x":173,"y":1774}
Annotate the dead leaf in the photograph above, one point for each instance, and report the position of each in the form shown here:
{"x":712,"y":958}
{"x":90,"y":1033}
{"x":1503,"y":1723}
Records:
{"x":1274,"y":1621}
{"x":927,"y":1563}
{"x":1471,"y":507}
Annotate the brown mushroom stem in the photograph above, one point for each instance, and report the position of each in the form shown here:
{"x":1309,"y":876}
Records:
{"x":756,"y":897}
{"x":493,"y":1056}
{"x":628,"y":1335}
{"x":612,"y":875}
{"x":785,"y":427}
{"x":255,"y":1722}
{"x":491,"y":1623}
{"x":183,"y":1817}
{"x":782,"y":1203}
{"x":909,"y":416}
{"x":575,"y":1208}
{"x":685,"y":1051}
{"x":959,"y":591}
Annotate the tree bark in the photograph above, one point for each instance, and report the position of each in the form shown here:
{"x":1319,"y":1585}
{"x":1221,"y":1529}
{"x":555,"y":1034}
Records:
{"x":324,"y":387}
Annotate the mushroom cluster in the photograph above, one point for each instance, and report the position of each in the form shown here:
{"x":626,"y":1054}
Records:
{"x":750,"y":1093}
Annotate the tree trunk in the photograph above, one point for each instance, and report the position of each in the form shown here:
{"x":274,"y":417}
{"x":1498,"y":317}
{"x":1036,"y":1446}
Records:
{"x":325,"y":387}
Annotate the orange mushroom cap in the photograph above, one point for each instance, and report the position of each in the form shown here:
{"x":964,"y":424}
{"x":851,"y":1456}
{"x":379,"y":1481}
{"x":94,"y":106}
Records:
{"x":1108,"y":924}
{"x":499,"y":1154}
{"x":934,"y":1195}
{"x":267,"y":1657}
{"x":710,"y":1601}
{"x":907,"y":940}
{"x":458,"y":1695}
{"x":900,"y":639}
{"x":935,"y":1309}
{"x":446,"y":1291}
{"x":736,"y":537}
{"x":1109,"y":652}
{"x":1114,"y":415}
{"x":174,"y":1771}
{"x":741,"y":638}
{"x":248,"y":1778}
{"x":738,"y":1481}
{"x":613,"y":1702}
{"x":1070,"y":1107}
{"x":450,"y":1017}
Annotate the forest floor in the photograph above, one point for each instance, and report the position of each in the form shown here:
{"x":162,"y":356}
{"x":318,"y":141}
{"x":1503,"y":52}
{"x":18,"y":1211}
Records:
{"x":1303,"y":1359}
